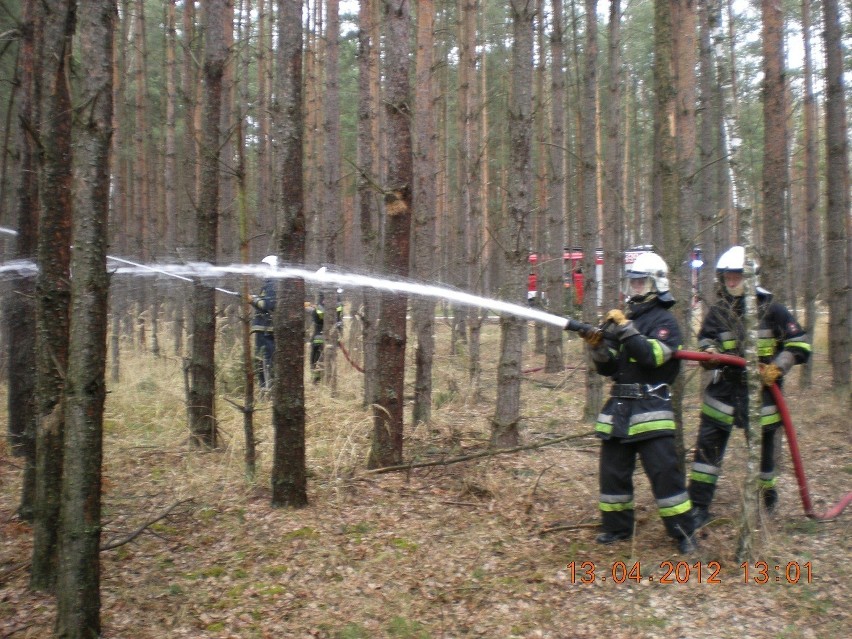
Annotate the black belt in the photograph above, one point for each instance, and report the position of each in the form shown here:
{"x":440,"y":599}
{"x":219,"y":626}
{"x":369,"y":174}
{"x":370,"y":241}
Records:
{"x":640,"y":391}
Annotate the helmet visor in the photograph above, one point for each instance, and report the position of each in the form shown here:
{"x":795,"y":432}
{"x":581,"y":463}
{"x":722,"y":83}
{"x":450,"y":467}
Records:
{"x":637,"y":285}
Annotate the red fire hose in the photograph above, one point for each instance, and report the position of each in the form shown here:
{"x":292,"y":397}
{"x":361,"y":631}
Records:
{"x":731,"y":360}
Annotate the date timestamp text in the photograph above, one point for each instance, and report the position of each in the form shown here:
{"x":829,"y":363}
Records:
{"x":682,"y":572}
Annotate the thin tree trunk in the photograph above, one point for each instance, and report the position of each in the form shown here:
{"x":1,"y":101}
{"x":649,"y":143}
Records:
{"x":425,"y":202}
{"x":245,"y":222}
{"x":748,"y":515}
{"x":332,"y":210}
{"x":78,"y":588}
{"x":52,"y":284}
{"x":388,"y":410}
{"x":21,"y":313}
{"x":553,"y":271}
{"x":812,"y":254}
{"x":589,"y":217}
{"x":775,"y":178}
{"x":289,"y":472}
{"x":202,"y":363}
{"x":837,"y":195}
{"x":613,"y":240}
{"x":368,"y":166}
{"x":505,"y":423}
{"x":709,"y":204}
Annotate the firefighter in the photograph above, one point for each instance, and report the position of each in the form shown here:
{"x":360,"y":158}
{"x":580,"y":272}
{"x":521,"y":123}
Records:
{"x":318,"y":337}
{"x":261,"y":325}
{"x":635,"y":348}
{"x":781,"y":344}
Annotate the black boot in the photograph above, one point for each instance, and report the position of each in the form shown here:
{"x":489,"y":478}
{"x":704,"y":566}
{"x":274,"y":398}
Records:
{"x":687,"y":545}
{"x":701,"y":515}
{"x":607,"y":537}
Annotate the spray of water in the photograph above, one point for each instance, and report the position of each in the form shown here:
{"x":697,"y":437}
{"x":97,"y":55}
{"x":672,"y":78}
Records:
{"x":323,"y":276}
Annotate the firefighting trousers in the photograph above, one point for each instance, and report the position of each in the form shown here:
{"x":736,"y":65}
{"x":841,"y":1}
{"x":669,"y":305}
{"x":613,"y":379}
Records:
{"x":709,"y":453}
{"x":660,"y":461}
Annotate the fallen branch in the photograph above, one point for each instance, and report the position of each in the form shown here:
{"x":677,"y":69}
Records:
{"x":479,"y":455}
{"x":552,"y":529}
{"x":120,"y":542}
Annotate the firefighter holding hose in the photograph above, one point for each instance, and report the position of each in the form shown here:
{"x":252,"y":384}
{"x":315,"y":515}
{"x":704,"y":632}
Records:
{"x":635,"y":348}
{"x":781,"y":344}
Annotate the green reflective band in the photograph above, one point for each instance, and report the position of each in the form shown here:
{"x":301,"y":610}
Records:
{"x":659,"y":354}
{"x":765,"y":347}
{"x":646,"y":427}
{"x":718,"y":415}
{"x":768,"y":483}
{"x":802,"y":345}
{"x":601,"y":427}
{"x":671,"y":511}
{"x":769,"y":420}
{"x":704,"y":478}
{"x":729,"y":344}
{"x":615,"y":508}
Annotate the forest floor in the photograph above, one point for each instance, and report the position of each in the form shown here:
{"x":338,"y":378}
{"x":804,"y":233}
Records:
{"x":459,"y":550}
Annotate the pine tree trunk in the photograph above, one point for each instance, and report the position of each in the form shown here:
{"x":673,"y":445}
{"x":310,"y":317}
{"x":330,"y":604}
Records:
{"x":388,"y":411}
{"x":52,"y":284}
{"x":425,"y":202}
{"x":289,"y":472}
{"x":553,"y":270}
{"x":812,"y":215}
{"x":837,"y":211}
{"x":775,"y":179}
{"x":21,"y":311}
{"x":332,"y":209}
{"x":505,"y":423}
{"x":78,"y":588}
{"x":368,"y":167}
{"x":202,"y":363}
{"x":589,"y":218}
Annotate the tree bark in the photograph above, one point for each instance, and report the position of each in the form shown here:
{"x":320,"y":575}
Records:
{"x":388,"y":410}
{"x":202,"y":363}
{"x":332,"y":211}
{"x":589,"y":216}
{"x":775,"y":179}
{"x":837,"y":195}
{"x":21,"y":313}
{"x":425,"y":201}
{"x":812,"y":255}
{"x":368,"y":167}
{"x":52,"y":284}
{"x":517,"y":235}
{"x":289,"y":472}
{"x":553,"y":271}
{"x":78,"y":588}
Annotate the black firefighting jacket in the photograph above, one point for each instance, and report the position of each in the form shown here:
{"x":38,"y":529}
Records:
{"x":639,"y":359}
{"x":263,"y":305}
{"x":726,"y":397}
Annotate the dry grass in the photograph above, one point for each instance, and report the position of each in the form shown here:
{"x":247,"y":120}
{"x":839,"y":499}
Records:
{"x":451,"y":551}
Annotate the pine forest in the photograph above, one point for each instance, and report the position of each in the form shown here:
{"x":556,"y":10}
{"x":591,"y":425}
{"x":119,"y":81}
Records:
{"x":322,"y":318}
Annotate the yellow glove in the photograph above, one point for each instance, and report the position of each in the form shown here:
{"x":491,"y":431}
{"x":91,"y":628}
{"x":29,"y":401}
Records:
{"x":593,"y":338}
{"x":616,"y":316}
{"x":769,"y":373}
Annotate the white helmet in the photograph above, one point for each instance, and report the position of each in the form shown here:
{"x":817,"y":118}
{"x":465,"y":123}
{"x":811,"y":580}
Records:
{"x":271,"y":260}
{"x":733,"y":261}
{"x":653,"y":269}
